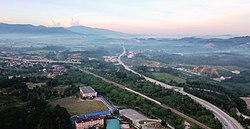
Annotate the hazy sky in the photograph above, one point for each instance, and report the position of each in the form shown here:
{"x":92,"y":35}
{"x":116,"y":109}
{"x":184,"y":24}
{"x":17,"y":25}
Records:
{"x":173,"y":17}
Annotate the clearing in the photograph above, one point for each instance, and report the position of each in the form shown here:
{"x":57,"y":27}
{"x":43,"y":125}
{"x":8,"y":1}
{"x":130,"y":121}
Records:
{"x":32,"y":85}
{"x":61,"y":88}
{"x":168,"y":77}
{"x":75,"y":106}
{"x":247,"y":100}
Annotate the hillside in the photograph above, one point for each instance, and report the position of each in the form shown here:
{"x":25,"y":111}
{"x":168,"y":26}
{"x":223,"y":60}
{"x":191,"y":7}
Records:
{"x":95,"y":31}
{"x":31,"y":29}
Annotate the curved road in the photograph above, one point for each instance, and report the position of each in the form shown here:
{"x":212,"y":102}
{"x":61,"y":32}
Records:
{"x":227,"y":121}
{"x":146,"y":97}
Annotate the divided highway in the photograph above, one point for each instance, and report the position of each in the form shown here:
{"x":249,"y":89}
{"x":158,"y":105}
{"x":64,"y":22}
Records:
{"x":227,"y":121}
{"x":146,"y":97}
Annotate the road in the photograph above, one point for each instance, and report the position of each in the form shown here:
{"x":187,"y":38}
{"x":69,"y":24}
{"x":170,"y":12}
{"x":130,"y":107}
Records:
{"x":44,"y":61}
{"x":146,"y":97}
{"x":227,"y":121}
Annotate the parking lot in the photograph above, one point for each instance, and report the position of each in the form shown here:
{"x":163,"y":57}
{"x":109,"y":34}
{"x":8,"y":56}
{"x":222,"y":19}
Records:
{"x":135,"y":116}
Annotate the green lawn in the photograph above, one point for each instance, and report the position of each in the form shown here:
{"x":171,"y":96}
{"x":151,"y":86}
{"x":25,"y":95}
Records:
{"x":168,"y":77}
{"x":78,"y":107}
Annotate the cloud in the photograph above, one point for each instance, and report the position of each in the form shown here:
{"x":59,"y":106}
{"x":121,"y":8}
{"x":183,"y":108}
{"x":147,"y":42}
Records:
{"x":5,"y":19}
{"x":63,"y":23}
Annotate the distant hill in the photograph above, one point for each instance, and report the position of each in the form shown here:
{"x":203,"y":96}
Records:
{"x":95,"y":31}
{"x":242,"y":42}
{"x":30,"y":29}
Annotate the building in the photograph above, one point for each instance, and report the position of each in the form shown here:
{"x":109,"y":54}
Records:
{"x":236,"y":72}
{"x":112,"y":124}
{"x":88,"y":92}
{"x":86,"y":123}
{"x":90,"y":115}
{"x":125,"y":126}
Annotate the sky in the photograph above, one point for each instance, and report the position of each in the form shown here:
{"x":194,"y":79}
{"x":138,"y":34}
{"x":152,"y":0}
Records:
{"x":163,"y":17}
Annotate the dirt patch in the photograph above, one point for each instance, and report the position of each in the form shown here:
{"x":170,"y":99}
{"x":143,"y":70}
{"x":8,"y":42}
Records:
{"x":247,"y":100}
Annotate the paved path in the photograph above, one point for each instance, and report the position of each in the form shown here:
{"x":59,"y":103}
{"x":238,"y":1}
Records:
{"x":227,"y":121}
{"x":146,"y":97}
{"x":135,"y":116}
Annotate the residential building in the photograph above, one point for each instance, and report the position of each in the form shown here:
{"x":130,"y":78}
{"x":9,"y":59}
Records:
{"x":86,"y":123}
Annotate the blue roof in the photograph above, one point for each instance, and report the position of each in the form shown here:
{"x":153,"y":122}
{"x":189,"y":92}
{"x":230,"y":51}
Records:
{"x":113,"y":124}
{"x":90,"y":115}
{"x":96,"y":114}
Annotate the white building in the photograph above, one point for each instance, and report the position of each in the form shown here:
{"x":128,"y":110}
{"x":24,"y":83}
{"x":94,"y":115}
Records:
{"x":88,"y":92}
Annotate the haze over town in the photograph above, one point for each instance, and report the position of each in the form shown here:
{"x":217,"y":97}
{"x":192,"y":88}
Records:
{"x":130,"y":64}
{"x":163,"y":17}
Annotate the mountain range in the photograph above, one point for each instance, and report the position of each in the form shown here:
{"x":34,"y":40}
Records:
{"x":242,"y":42}
{"x":94,"y":31}
{"x":31,"y":29}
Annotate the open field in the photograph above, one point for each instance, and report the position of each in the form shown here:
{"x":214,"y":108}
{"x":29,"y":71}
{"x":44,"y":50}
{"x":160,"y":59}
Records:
{"x":247,"y":100}
{"x":78,"y":107}
{"x":168,"y":77}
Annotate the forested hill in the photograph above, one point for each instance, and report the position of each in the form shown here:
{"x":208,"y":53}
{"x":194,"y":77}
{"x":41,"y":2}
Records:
{"x":95,"y":31}
{"x":31,"y":29}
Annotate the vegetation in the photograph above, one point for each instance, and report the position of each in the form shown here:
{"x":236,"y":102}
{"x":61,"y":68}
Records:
{"x":225,"y":95}
{"x":123,"y":98}
{"x":165,"y":77}
{"x":221,"y":97}
{"x":36,"y":113}
{"x":168,"y":97}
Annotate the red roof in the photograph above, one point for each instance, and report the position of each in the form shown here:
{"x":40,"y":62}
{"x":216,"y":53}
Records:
{"x":195,"y":68}
{"x":56,"y":73}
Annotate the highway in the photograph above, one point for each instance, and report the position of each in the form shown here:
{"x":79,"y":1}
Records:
{"x":227,"y":121}
{"x":146,"y":97}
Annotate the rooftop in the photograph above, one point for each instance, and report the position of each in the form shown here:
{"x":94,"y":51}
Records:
{"x":79,"y":120}
{"x":87,"y":89}
{"x":113,"y":124}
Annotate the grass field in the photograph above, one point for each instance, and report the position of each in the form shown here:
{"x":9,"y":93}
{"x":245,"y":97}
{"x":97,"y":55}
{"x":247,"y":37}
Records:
{"x":78,"y":107}
{"x":168,"y":77}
